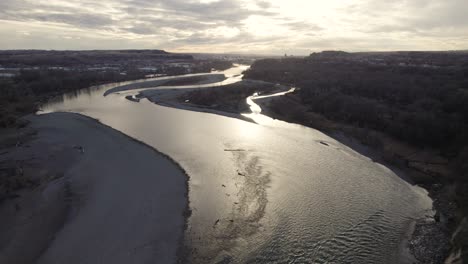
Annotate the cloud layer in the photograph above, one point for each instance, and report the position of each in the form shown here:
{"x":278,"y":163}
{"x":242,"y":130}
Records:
{"x":255,"y":26}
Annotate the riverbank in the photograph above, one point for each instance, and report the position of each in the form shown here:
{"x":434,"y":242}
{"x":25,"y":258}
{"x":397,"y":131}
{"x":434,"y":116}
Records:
{"x":79,"y":191}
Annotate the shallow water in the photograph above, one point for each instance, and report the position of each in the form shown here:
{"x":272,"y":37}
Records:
{"x":268,"y":192}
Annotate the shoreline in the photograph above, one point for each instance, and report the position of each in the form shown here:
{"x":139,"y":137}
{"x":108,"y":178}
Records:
{"x":406,"y":256}
{"x":81,"y":192}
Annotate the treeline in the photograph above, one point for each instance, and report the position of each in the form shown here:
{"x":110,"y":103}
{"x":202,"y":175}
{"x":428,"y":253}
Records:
{"x":427,"y":107}
{"x":21,"y":95}
{"x":199,"y":67}
{"x":76,"y":58}
{"x":207,"y":66}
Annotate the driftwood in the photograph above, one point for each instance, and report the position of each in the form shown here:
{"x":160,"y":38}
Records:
{"x":324,"y":143}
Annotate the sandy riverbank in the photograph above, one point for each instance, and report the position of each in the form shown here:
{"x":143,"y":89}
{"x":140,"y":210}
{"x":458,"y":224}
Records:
{"x":101,"y":197}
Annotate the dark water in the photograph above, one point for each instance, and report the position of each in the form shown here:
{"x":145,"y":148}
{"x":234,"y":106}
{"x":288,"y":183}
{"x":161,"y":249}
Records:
{"x":267,"y":192}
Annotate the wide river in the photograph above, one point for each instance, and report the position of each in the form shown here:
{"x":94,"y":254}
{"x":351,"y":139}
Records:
{"x":270,"y":192}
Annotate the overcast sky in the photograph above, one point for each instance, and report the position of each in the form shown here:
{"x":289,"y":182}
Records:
{"x":248,"y":26}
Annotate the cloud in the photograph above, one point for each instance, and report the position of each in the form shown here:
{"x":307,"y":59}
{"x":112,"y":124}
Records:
{"x":226,"y":12}
{"x":40,"y":12}
{"x":264,"y":4}
{"x":273,"y":26}
{"x":412,"y":16}
{"x":302,"y":26}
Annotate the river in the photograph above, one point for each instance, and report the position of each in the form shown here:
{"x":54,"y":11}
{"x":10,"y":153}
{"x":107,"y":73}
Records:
{"x":270,"y":192}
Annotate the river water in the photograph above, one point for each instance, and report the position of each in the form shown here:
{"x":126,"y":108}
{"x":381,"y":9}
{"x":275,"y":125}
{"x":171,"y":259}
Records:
{"x":271,"y":192}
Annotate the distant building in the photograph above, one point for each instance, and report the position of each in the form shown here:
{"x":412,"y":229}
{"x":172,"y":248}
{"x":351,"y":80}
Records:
{"x":7,"y":75}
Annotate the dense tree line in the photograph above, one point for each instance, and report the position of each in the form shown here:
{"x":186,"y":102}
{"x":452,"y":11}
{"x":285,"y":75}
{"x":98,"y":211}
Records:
{"x":199,"y":67}
{"x":43,"y":58}
{"x":207,"y":66}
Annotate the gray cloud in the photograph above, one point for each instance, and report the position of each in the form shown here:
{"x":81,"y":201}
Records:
{"x":193,"y":23}
{"x":32,"y":11}
{"x":77,"y":19}
{"x":302,"y":26}
{"x":178,"y":14}
{"x":263,"y":4}
{"x":417,"y":16}
{"x":227,"y":12}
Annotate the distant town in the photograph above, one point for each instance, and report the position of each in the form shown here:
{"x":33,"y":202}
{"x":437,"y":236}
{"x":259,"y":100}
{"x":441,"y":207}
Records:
{"x":151,"y":63}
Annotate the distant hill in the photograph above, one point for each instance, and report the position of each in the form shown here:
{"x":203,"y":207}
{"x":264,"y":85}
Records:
{"x":89,"y":57}
{"x":409,"y":58}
